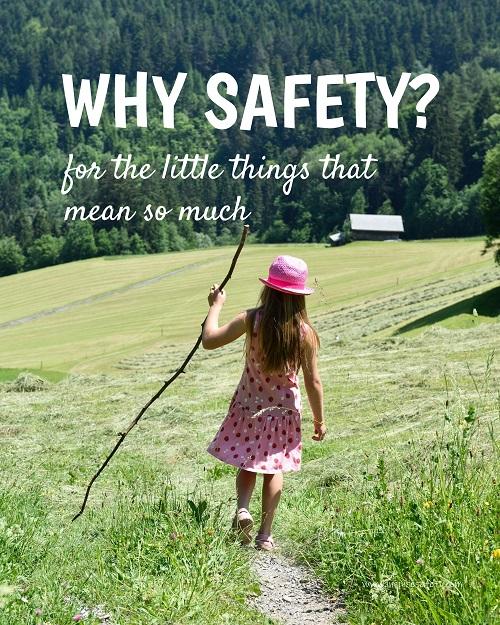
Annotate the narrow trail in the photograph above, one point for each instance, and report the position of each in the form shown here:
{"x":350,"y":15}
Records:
{"x":291,"y":595}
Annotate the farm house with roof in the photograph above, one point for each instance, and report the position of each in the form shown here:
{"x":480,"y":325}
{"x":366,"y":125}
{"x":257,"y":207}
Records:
{"x":375,"y":227}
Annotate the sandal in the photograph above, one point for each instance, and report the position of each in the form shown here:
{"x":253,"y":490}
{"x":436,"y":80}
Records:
{"x":243,"y":524}
{"x":264,"y":542}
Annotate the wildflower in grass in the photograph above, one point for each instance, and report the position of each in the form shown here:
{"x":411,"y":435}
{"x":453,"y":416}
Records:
{"x":419,"y":561}
{"x":381,"y":594}
{"x":427,"y":504}
{"x":495,"y":554}
{"x":77,"y":617}
{"x":38,"y":611}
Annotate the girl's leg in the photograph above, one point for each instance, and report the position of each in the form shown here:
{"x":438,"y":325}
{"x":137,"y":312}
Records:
{"x":271,"y":493}
{"x":245,"y":483}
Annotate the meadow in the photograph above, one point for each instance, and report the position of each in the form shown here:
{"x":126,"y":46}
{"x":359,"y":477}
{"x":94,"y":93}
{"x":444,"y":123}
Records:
{"x":88,"y":315}
{"x":396,"y":509}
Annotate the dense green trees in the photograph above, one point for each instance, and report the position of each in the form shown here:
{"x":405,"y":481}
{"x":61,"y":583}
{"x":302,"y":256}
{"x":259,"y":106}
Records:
{"x":11,"y":256}
{"x":79,"y":242}
{"x":45,"y":251}
{"x":490,"y":196}
{"x":432,"y":177}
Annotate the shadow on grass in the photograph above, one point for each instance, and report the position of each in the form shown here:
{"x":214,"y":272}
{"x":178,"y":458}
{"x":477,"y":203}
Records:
{"x":486,"y":304}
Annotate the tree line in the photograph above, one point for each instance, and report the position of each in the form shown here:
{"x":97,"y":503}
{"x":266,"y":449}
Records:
{"x":443,"y":180}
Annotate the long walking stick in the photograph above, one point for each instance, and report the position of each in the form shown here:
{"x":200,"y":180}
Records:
{"x":166,"y":384}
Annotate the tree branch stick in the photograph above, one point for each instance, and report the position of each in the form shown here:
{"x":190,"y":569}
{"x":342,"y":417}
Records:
{"x":166,"y":384}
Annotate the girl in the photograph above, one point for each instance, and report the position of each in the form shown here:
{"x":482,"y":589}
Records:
{"x":262,"y":430}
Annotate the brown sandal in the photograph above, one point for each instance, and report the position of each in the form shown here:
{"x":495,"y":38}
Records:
{"x":264,"y":542}
{"x":243,"y":524}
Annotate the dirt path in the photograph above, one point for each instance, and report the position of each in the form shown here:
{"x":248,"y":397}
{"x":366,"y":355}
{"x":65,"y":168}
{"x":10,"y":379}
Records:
{"x":290,"y":594}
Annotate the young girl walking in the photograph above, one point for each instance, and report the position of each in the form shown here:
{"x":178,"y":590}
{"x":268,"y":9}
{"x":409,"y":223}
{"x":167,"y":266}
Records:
{"x":262,"y":430}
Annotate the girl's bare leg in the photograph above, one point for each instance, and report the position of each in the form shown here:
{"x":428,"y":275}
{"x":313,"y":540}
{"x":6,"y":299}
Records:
{"x":271,"y":493}
{"x":245,"y":483}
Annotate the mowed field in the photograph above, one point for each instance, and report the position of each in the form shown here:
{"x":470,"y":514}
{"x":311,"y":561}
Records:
{"x":395,"y":510}
{"x":89,"y":315}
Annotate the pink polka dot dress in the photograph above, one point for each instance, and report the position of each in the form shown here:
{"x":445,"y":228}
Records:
{"x":262,"y":430}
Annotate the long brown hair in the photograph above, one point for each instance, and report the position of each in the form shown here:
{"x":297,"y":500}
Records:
{"x":279,"y":330}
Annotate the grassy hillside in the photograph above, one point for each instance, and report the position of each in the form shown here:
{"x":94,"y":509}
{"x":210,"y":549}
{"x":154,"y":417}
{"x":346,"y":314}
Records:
{"x":396,"y":507}
{"x":90,"y":315}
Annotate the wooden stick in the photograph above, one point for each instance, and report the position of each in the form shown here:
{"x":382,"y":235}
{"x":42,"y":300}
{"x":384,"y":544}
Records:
{"x":166,"y":384}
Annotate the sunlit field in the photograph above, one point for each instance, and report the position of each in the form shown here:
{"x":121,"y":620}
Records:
{"x":86,"y":316}
{"x":396,"y":508}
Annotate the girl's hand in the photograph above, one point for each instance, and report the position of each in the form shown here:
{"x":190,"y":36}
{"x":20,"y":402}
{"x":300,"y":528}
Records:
{"x":215,"y":296}
{"x":319,"y":431}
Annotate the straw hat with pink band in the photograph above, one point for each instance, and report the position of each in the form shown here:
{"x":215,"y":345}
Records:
{"x":288,"y":274}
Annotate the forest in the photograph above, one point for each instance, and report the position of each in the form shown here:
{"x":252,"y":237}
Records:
{"x":443,"y":179}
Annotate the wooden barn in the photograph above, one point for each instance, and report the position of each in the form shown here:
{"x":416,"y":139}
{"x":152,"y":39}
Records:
{"x":376,"y":227}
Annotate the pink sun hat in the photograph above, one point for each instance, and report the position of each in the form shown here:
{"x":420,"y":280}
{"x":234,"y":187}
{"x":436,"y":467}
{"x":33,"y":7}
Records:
{"x":288,"y":274}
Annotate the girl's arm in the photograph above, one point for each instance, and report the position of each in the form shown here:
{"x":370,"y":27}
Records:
{"x":314,"y":387}
{"x":213,"y":336}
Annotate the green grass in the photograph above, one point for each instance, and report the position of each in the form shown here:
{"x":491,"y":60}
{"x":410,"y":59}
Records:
{"x":108,"y":321}
{"x":355,"y":512}
{"x":153,"y":562}
{"x":8,"y":375}
{"x":461,"y":314}
{"x":410,"y":538}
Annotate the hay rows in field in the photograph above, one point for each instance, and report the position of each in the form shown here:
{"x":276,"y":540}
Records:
{"x":168,"y":358}
{"x":347,"y":323}
{"x":365,"y":319}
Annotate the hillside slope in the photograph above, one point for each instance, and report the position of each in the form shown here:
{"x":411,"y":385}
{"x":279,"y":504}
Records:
{"x":91,"y":315}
